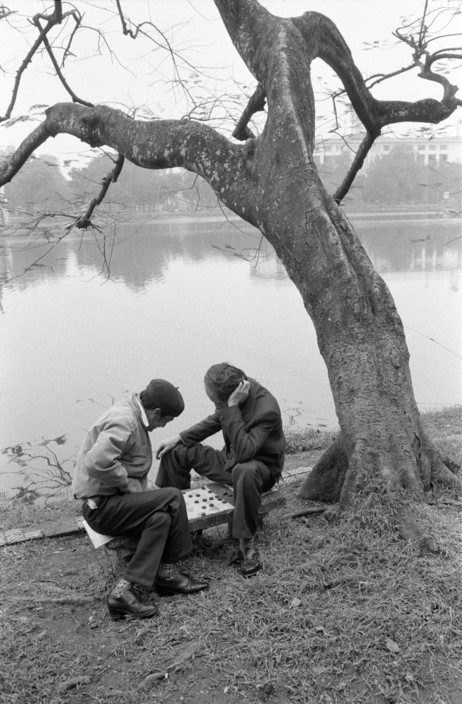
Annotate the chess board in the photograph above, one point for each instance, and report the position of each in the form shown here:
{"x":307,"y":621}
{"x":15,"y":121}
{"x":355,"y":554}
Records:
{"x":203,"y":502}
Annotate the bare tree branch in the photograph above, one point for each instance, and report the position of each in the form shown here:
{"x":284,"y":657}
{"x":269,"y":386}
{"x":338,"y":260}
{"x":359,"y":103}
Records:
{"x":5,"y":12}
{"x":52,"y":20}
{"x":256,"y":104}
{"x":56,"y":66}
{"x":84,"y":221}
{"x":356,"y":165}
{"x":165,"y":44}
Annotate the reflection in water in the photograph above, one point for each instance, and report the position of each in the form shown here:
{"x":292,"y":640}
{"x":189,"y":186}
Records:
{"x":140,"y":254}
{"x":182,"y":296}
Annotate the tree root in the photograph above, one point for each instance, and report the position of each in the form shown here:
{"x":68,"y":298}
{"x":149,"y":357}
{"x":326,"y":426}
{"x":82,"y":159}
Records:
{"x":326,"y":480}
{"x":443,"y":473}
{"x":305,"y":512}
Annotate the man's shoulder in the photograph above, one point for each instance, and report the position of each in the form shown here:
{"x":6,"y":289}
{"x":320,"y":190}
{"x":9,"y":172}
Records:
{"x":122,"y":411}
{"x":265,"y":400}
{"x":263,"y":392}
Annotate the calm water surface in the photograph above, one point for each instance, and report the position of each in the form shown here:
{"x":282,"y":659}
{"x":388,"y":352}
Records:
{"x":182,"y":296}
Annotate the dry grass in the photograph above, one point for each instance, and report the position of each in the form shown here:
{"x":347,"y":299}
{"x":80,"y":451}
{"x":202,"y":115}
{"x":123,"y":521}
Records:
{"x":445,"y":429}
{"x":308,"y":440}
{"x":343,"y":613}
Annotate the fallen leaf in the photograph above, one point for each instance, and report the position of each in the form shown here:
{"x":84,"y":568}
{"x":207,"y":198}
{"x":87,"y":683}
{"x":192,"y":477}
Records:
{"x":320,"y":669}
{"x":183,"y":653}
{"x":70,"y":684}
{"x":391,"y":646}
{"x":152,"y":678}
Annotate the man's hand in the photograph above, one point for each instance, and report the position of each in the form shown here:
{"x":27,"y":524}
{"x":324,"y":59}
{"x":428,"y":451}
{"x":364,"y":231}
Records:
{"x":167,"y":445}
{"x":239,"y":394}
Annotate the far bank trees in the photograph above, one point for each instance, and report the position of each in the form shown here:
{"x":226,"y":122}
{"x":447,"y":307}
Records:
{"x":398,"y":179}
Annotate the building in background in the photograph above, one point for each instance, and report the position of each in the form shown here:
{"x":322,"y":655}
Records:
{"x":428,"y":146}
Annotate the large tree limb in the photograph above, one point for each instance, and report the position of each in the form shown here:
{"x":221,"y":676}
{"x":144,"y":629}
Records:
{"x":15,"y":161}
{"x":323,"y":40}
{"x":157,"y":144}
{"x":248,"y":24}
{"x":374,"y":114}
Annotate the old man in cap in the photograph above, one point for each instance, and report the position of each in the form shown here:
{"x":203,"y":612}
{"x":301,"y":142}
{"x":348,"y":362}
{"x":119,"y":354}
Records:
{"x":111,"y":481}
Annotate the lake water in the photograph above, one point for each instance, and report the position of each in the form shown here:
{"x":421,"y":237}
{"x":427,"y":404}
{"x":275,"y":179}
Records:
{"x":184,"y":295}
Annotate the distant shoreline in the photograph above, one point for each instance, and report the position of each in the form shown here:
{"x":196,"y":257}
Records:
{"x":376,"y":216}
{"x":14,"y":227}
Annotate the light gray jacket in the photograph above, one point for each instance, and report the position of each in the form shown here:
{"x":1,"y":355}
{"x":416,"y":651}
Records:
{"x":116,"y":454}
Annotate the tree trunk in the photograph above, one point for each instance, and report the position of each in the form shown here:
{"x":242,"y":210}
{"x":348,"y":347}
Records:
{"x":382,"y":446}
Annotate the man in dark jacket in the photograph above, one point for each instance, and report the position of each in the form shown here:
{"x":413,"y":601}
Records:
{"x":111,"y":481}
{"x":251,"y":461}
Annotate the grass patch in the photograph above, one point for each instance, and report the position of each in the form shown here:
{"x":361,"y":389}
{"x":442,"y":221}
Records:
{"x":18,"y":514}
{"x":343,"y":613}
{"x":308,"y":440}
{"x":445,"y":429}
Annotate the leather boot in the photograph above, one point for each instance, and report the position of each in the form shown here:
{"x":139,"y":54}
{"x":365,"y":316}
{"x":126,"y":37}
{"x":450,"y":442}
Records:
{"x":180,"y":584}
{"x":250,"y":562}
{"x":127,"y":605}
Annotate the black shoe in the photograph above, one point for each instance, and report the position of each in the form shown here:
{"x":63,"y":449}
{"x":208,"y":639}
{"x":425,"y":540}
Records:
{"x":250,"y":562}
{"x":181,"y":584}
{"x":128,"y":605}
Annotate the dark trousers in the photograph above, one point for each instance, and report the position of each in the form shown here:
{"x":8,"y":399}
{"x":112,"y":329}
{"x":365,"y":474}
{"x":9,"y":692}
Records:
{"x":248,"y":479}
{"x":157,"y":519}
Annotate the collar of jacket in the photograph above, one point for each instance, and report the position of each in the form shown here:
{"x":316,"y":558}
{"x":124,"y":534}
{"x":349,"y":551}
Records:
{"x":248,"y":407}
{"x":139,"y":410}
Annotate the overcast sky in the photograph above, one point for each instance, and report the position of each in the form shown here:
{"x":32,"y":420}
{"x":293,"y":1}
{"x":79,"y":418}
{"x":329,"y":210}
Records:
{"x":136,"y":76}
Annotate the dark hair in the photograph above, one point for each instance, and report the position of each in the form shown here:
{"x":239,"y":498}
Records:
{"x":223,"y":378}
{"x":147,"y":402}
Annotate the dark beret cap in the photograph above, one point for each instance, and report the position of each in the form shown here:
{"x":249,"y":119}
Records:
{"x":162,"y":394}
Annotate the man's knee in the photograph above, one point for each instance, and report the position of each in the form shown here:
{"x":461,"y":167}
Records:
{"x":168,"y":499}
{"x":174,"y":459}
{"x":158,"y":519}
{"x":180,"y":456}
{"x":172,"y":497}
{"x":246,"y":473}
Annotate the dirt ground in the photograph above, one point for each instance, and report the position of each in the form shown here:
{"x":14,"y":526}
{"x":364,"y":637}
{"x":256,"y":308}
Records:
{"x":58,"y":605}
{"x":53,"y":601}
